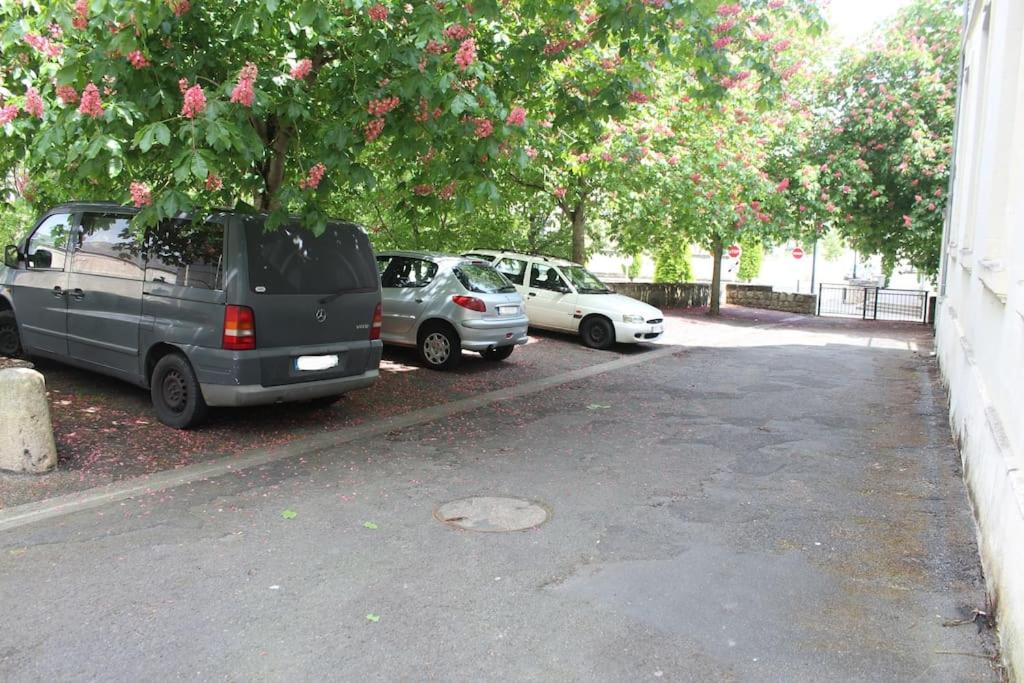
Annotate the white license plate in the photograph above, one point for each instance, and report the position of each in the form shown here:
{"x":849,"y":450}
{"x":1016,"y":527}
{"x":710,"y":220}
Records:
{"x":316,"y":362}
{"x":657,"y":329}
{"x":508,"y":310}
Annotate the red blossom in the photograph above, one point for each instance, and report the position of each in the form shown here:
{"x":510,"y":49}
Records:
{"x":81,"y":19}
{"x":195,"y":102}
{"x":722,"y":42}
{"x":516,"y":117}
{"x":243,"y":91}
{"x":382,"y":106}
{"x":313,"y":178}
{"x":729,"y":9}
{"x":213,"y":183}
{"x":91,"y":104}
{"x":179,"y":7}
{"x":302,"y":69}
{"x":483,"y":128}
{"x":378,"y":12}
{"x":67,"y":94}
{"x":782,"y":186}
{"x":559,"y":192}
{"x":466,"y":54}
{"x":373,"y":129}
{"x":8,"y":114}
{"x":34,"y":103}
{"x":448,"y":191}
{"x":457,"y":32}
{"x":140,"y":193}
{"x":423,"y":190}
{"x":137,"y":59}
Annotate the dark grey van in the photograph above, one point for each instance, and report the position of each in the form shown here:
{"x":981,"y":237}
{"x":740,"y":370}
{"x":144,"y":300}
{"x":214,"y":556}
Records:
{"x":219,"y":313}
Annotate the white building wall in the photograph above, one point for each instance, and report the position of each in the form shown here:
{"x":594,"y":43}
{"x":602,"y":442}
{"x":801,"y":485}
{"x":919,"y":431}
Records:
{"x":980,"y":327}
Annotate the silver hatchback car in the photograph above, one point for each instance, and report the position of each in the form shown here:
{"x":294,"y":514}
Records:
{"x":441,"y":304}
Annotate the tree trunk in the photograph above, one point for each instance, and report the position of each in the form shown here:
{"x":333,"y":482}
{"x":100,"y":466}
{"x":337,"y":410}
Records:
{"x":277,"y":140}
{"x":579,"y":232}
{"x":717,"y":251}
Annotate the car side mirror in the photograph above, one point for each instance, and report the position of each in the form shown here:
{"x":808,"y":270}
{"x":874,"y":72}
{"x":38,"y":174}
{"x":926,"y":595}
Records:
{"x":12,"y":256}
{"x":43,"y":258}
{"x":564,"y":290}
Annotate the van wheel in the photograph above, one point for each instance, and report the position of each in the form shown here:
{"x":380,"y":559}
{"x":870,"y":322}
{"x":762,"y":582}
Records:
{"x":500,"y":353}
{"x":10,"y":342}
{"x":598,"y":332}
{"x":439,"y":347}
{"x":177,"y":398}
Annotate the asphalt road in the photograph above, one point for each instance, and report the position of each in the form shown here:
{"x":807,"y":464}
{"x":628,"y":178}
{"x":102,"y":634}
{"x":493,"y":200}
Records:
{"x":779,"y":504}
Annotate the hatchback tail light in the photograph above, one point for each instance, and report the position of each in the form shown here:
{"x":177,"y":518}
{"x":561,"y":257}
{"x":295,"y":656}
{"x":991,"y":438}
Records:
{"x":470,"y":302}
{"x":239,"y":328}
{"x":375,"y":325}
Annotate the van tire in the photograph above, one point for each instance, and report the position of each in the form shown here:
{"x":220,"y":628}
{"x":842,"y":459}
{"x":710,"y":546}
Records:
{"x":498,"y":354}
{"x":10,"y":342}
{"x":439,"y":346}
{"x":177,"y":396}
{"x":598,"y":332}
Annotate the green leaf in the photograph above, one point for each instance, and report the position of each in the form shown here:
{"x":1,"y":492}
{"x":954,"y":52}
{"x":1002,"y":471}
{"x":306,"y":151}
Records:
{"x":271,"y":5}
{"x":369,"y":525}
{"x":199,"y":168}
{"x":115,"y":166}
{"x":373,"y":617}
{"x":289,"y":514}
{"x":307,"y":13}
{"x":162,"y":134}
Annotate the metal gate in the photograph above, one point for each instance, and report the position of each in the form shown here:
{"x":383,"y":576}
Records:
{"x":873,"y":303}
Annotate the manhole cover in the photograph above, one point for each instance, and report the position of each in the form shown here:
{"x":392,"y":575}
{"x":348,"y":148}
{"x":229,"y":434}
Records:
{"x":486,"y":513}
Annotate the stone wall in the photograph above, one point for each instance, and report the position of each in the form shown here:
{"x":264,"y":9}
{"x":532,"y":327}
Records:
{"x":660,"y":295}
{"x":760,"y":296}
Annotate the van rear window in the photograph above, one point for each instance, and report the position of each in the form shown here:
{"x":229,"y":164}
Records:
{"x":292,"y":260}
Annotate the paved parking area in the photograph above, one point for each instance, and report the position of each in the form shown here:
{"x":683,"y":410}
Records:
{"x":757,"y":503}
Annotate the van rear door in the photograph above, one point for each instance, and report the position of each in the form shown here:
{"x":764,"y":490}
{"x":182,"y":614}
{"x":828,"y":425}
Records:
{"x":311,"y":295}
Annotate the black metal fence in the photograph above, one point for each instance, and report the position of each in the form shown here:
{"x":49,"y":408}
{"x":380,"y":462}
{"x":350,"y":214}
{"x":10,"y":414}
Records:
{"x":873,"y":303}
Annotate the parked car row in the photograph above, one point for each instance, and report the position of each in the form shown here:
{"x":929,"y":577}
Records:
{"x":228,"y":313}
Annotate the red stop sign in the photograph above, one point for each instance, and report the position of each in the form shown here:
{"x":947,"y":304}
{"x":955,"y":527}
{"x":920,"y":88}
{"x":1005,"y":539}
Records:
{"x":798,"y":253}
{"x":734,"y":251}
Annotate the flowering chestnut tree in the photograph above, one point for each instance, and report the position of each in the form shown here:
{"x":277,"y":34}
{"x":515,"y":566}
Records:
{"x":883,"y":169}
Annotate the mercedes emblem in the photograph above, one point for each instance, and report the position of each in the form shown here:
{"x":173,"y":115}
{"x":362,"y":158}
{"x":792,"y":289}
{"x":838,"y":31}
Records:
{"x":320,"y":314}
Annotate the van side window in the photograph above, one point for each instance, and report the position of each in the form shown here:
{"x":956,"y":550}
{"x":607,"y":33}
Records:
{"x":513,"y":269}
{"x":47,"y":248}
{"x":184,"y":254}
{"x":108,"y":246}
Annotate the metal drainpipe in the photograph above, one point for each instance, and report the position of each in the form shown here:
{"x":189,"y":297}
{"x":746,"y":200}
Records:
{"x":944,"y":254}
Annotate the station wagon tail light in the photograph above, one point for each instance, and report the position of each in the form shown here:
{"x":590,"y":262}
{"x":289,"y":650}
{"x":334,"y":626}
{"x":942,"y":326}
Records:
{"x":239,"y":328}
{"x":470,"y":302}
{"x":375,"y":325}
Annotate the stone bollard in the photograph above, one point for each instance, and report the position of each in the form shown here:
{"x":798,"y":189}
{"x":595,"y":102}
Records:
{"x":26,"y":436}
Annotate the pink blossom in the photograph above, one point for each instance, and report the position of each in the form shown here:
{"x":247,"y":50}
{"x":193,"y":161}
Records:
{"x":484,"y":128}
{"x":907,"y":221}
{"x":138,"y":60}
{"x":782,"y":186}
{"x":722,"y":42}
{"x":638,"y":97}
{"x":466,"y":54}
{"x":8,"y":114}
{"x":373,"y":129}
{"x":931,"y":206}
{"x":243,"y":91}
{"x":531,"y":152}
{"x":729,"y":9}
{"x":555,"y":47}
{"x":447,"y":191}
{"x":81,"y":19}
{"x":140,"y":194}
{"x":559,"y":192}
{"x":195,"y":102}
{"x":423,"y":190}
{"x":516,"y":117}
{"x":435,"y":48}
{"x":213,"y":183}
{"x":457,"y":32}
{"x":695,"y":178}
{"x":41,"y":44}
{"x":938,"y":192}
{"x":846,"y":189}
{"x":312,"y":180}
{"x":830,"y":207}
{"x":725,"y":26}
{"x":67,"y":94}
{"x":302,"y":69}
{"x":179,"y":7}
{"x":34,"y":103}
{"x":781,"y":46}
{"x":382,"y":106}
{"x":776,"y":4}
{"x":764,"y":36}
{"x":91,"y":104}
{"x":606,"y":156}
{"x":378,"y":12}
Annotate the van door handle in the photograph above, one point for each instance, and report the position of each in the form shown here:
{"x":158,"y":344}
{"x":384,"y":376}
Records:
{"x":419,"y":301}
{"x":58,"y":291}
{"x":77,"y":294}
{"x":532,"y":294}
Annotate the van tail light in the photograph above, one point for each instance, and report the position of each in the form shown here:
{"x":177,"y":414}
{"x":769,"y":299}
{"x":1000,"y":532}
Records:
{"x":239,"y":328}
{"x":375,"y":325}
{"x":470,"y":302}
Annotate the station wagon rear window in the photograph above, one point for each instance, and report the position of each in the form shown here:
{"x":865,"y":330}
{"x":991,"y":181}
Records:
{"x":292,"y":260}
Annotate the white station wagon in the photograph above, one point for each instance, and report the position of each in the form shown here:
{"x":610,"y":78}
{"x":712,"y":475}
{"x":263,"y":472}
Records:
{"x":564,"y":296}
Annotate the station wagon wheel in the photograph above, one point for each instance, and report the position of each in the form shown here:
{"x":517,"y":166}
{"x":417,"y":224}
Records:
{"x":597,"y":332}
{"x":10,"y":343}
{"x":177,"y":397}
{"x":439,"y":347}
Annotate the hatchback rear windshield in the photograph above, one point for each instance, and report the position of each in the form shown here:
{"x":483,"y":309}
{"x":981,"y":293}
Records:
{"x":482,"y":279}
{"x":292,"y":260}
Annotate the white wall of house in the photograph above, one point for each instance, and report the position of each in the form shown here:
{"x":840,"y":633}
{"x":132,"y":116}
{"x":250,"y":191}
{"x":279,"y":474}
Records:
{"x":980,"y":328}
